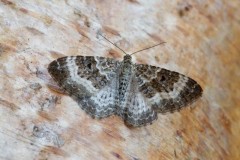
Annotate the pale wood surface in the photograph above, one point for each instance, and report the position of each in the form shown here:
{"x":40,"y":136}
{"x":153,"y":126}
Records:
{"x":202,"y":42}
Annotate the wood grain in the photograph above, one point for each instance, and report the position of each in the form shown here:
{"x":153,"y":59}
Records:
{"x":202,"y":42}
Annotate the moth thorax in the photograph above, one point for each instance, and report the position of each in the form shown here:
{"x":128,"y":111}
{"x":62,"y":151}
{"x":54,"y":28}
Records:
{"x":127,"y":58}
{"x":127,"y":61}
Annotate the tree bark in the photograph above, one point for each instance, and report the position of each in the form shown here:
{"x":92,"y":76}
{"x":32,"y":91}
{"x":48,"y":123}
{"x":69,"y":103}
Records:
{"x":202,"y":42}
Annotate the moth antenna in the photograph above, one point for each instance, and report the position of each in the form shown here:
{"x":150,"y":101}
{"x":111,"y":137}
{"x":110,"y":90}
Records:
{"x":148,"y":48}
{"x":112,"y":43}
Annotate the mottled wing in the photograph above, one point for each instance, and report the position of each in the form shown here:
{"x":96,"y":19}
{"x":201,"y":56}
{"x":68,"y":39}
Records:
{"x":164,"y":90}
{"x":137,"y":111}
{"x":89,"y":80}
{"x":104,"y":103}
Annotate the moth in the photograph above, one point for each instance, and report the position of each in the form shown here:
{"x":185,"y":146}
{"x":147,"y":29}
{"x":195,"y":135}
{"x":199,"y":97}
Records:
{"x":136,"y":92}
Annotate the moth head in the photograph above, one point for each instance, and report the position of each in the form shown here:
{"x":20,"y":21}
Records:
{"x":127,"y":57}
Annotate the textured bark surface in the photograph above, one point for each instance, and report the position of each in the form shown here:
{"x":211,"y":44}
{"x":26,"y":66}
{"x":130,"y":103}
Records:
{"x":202,"y":42}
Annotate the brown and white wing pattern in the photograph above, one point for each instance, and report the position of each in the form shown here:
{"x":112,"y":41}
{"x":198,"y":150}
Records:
{"x":89,"y":80}
{"x":164,"y":90}
{"x":97,"y":83}
{"x":137,"y":111}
